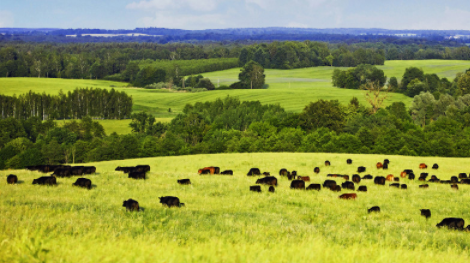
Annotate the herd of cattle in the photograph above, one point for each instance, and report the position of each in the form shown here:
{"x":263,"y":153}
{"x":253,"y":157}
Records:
{"x":297,"y":182}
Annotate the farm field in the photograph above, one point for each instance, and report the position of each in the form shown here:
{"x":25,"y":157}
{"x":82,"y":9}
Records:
{"x":224,"y":222}
{"x":118,"y":126}
{"x":292,"y":89}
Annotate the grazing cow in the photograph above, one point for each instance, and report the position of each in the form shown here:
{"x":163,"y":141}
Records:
{"x":454,"y":186}
{"x":131,"y":205}
{"x":283,"y":172}
{"x":454,"y":180}
{"x":62,"y":172}
{"x":298,"y":184}
{"x":329,"y":183}
{"x":227,"y":172}
{"x":389,"y":177}
{"x":411,"y":176}
{"x":294,"y":173}
{"x":146,"y":168}
{"x":385,"y":166}
{"x":45,"y":180}
{"x":465,"y":181}
{"x":304,"y":178}
{"x":254,"y":171}
{"x":423,"y":166}
{"x":435,"y":166}
{"x":184,"y":181}
{"x":255,"y":188}
{"x":404,"y":187}
{"x":348,"y":196}
{"x":396,"y":179}
{"x":424,"y":186}
{"x":356,"y":178}
{"x":77,"y":170}
{"x":348,"y":185}
{"x":346,"y":177}
{"x":426,"y":213}
{"x":349,"y":161}
{"x":362,"y":188}
{"x":270,"y":180}
{"x":379,"y":165}
{"x":137,"y":175}
{"x":205,"y":170}
{"x":12,"y":179}
{"x":452,"y":223}
{"x":368,"y":177}
{"x":335,"y":188}
{"x":463,"y":176}
{"x":83,"y":182}
{"x":170,"y":201}
{"x":395,"y":185}
{"x":314,"y":187}
{"x":374,"y":209}
{"x":271,"y":189}
{"x":361,"y":169}
{"x":386,"y":161}
{"x":316,"y":170}
{"x":266,"y":174}
{"x":379,"y":180}
{"x":327,"y":163}
{"x":89,"y":170}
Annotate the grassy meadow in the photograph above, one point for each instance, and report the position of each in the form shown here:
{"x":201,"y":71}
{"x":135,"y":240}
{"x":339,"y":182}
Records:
{"x":120,"y":127}
{"x":224,"y":222}
{"x":292,"y":89}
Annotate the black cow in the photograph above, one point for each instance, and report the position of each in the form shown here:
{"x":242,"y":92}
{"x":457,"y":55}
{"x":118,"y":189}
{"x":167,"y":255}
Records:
{"x":386,"y":161}
{"x":12,"y":179}
{"x":362,"y":188}
{"x":255,"y":188}
{"x":348,"y":185}
{"x":89,"y":170}
{"x":329,"y":183}
{"x":297,"y":184}
{"x":83,"y":182}
{"x":283,"y":172}
{"x":205,"y":171}
{"x":146,"y":168}
{"x":411,"y":176}
{"x":426,"y":213}
{"x":266,"y":173}
{"x":408,"y":171}
{"x":465,"y":181}
{"x":455,"y":187}
{"x":463,"y":176}
{"x":170,"y":201}
{"x":349,"y":161}
{"x":361,"y":169}
{"x":424,"y":186}
{"x":271,"y":189}
{"x":291,"y":177}
{"x":294,"y":173}
{"x":395,"y":185}
{"x":270,"y":180}
{"x":335,"y":188}
{"x":316,"y":170}
{"x":327,"y":163}
{"x":452,"y":223}
{"x":454,"y":180}
{"x":425,"y":175}
{"x":184,"y":181}
{"x":227,"y":172}
{"x":62,"y":172}
{"x":45,"y":180}
{"x":404,"y":186}
{"x":368,"y":177}
{"x":379,"y":180}
{"x":77,"y":170}
{"x":435,"y":166}
{"x":356,"y":178}
{"x":445,"y":182}
{"x":373,"y":209}
{"x":131,"y":205}
{"x":216,"y":170}
{"x":385,"y":166}
{"x":435,"y":180}
{"x":314,"y":187}
{"x":124,"y":169}
{"x":254,"y":171}
{"x":137,"y":175}
{"x":396,"y":179}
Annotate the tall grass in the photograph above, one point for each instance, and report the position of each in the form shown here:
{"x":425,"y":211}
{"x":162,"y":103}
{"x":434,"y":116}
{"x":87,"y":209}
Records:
{"x":224,"y":222}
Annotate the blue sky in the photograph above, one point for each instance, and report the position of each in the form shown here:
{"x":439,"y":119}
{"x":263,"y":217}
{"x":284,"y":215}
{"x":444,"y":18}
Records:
{"x":203,"y":14}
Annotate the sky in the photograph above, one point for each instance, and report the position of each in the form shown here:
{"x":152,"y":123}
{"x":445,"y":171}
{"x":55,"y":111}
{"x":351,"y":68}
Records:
{"x":217,"y":14}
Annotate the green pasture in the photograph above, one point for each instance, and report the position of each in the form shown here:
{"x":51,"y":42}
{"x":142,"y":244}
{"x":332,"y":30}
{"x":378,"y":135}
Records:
{"x":224,"y":222}
{"x":118,"y":126}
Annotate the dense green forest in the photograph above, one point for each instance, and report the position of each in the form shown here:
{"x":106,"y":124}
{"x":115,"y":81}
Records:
{"x":431,"y":127}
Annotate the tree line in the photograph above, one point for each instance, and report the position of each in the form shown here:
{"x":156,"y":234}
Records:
{"x":76,"y":104}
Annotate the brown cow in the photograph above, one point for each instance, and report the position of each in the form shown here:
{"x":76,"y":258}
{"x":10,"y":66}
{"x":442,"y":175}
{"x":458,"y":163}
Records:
{"x":403,"y":174}
{"x":379,"y":165}
{"x":207,"y":170}
{"x":346,"y":177}
{"x":423,"y":166}
{"x":389,"y":177}
{"x":348,"y":196}
{"x":304,"y":178}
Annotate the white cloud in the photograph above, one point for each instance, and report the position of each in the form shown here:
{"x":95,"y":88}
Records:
{"x":167,"y":20}
{"x":6,"y":19}
{"x":197,"y":5}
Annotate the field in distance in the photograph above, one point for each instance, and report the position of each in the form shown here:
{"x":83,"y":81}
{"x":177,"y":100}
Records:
{"x":120,"y":127}
{"x":224,"y":222}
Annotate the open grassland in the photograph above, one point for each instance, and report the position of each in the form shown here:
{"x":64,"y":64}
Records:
{"x":292,"y":89}
{"x":224,"y":222}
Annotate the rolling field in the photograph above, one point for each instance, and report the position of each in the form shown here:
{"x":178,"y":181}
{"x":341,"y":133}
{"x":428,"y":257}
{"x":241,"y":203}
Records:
{"x":120,"y":127}
{"x":292,"y":89}
{"x":224,"y":222}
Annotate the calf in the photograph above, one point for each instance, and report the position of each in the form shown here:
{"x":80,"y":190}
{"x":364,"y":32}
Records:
{"x":137,"y":175}
{"x":374,"y":209}
{"x":131,"y":205}
{"x":329,"y":183}
{"x":348,"y":196}
{"x":379,"y":165}
{"x":270,"y":180}
{"x":361,"y":169}
{"x":254,"y":171}
{"x":348,"y":185}
{"x":316,"y":170}
{"x":227,"y":172}
{"x":255,"y":188}
{"x":454,"y":186}
{"x":390,"y":177}
{"x":435,"y":166}
{"x":362,"y":188}
{"x":379,"y":180}
{"x":170,"y":201}
{"x":314,"y":187}
{"x":283,"y":172}
{"x":395,"y":185}
{"x":335,"y":188}
{"x":45,"y":180}
{"x":304,"y":178}
{"x":349,"y":161}
{"x":452,"y":223}
{"x":424,"y":186}
{"x":426,"y":213}
{"x":298,"y":184}
{"x":83,"y":182}
{"x":327,"y":163}
{"x":12,"y":179}
{"x":62,"y":172}
{"x":423,"y":166}
{"x":404,"y":186}
{"x":367,"y":177}
{"x":271,"y":189}
{"x":356,"y":178}
{"x":184,"y":181}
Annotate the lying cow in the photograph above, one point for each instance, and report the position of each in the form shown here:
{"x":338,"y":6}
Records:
{"x":184,"y":181}
{"x":452,"y":223}
{"x":314,"y":187}
{"x":255,"y":188}
{"x":362,"y":188}
{"x":297,"y":184}
{"x":227,"y":172}
{"x":348,"y":196}
{"x":424,"y":186}
{"x":45,"y":180}
{"x":12,"y":179}
{"x":435,"y":166}
{"x":270,"y":180}
{"x":395,"y":185}
{"x":83,"y":182}
{"x":404,"y":187}
{"x":131,"y":205}
{"x":170,"y":201}
{"x":375,"y":209}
